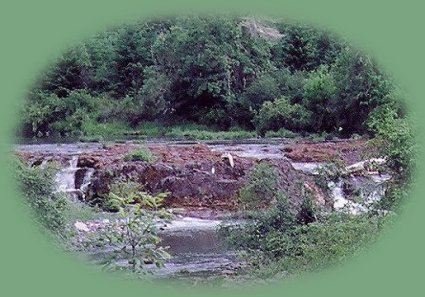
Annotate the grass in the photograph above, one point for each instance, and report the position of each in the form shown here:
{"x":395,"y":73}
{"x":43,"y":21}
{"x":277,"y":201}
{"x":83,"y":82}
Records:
{"x":178,"y":132}
{"x":142,"y":154}
{"x":281,"y":133}
{"x":190,"y":131}
{"x":97,"y":132}
{"x":92,"y":128}
{"x":83,"y":212}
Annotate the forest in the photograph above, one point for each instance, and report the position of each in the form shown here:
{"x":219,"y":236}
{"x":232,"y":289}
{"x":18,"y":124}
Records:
{"x":209,"y":73}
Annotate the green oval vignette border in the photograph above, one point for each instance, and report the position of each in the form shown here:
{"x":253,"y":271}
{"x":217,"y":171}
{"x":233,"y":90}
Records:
{"x":34,"y":34}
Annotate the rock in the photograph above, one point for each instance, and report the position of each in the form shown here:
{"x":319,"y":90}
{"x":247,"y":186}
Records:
{"x":79,"y":177}
{"x":350,"y":189}
{"x":230,"y":158}
{"x":347,"y":151}
{"x":228,"y":272}
{"x":365,"y":166}
{"x":257,"y":29}
{"x":319,"y":197}
{"x":194,"y":175}
{"x":186,"y":173}
{"x":80,"y":226}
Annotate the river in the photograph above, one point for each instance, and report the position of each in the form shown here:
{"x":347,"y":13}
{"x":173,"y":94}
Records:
{"x":194,"y":243}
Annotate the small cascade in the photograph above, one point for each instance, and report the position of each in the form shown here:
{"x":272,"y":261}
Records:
{"x":341,"y":203}
{"x":369,"y":188}
{"x":67,"y":180}
{"x":87,"y":179}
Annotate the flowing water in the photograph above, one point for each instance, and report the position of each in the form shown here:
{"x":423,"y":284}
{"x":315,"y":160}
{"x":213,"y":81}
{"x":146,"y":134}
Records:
{"x":195,"y":245}
{"x":196,"y":248}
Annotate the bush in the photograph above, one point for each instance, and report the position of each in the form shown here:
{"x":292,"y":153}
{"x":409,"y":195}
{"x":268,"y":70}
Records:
{"x":283,"y":240}
{"x":261,"y":186}
{"x":281,"y":114}
{"x":48,"y":114}
{"x":281,"y":133}
{"x":121,"y":189}
{"x":333,"y":240}
{"x":37,"y":186}
{"x":142,"y":154}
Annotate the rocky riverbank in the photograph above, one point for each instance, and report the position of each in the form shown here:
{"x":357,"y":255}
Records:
{"x":203,"y":181}
{"x":199,"y":176}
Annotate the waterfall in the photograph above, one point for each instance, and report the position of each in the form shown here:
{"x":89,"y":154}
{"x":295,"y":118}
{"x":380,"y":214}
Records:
{"x":66,"y":179}
{"x":86,"y":180}
{"x":371,"y":190}
{"x":341,"y":203}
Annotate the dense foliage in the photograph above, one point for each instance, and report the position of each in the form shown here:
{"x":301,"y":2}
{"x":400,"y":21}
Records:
{"x":37,"y":186}
{"x":220,"y":72}
{"x":284,"y":240}
{"x":260,"y":188}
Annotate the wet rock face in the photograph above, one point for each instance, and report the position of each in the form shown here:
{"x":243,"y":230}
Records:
{"x":200,"y":176}
{"x":347,"y":151}
{"x":39,"y":159}
{"x":194,"y":176}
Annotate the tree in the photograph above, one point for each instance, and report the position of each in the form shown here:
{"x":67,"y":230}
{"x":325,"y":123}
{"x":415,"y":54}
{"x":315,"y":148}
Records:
{"x":155,"y":95}
{"x":69,"y":73}
{"x":361,"y":87}
{"x":277,"y":114}
{"x":264,"y":88}
{"x":319,"y":98}
{"x":296,"y":50}
{"x":133,"y":237}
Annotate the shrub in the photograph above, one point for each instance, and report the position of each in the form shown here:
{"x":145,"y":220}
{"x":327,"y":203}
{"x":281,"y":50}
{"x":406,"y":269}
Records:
{"x":333,"y":240}
{"x":142,"y":154}
{"x":261,"y":186}
{"x":133,"y":237}
{"x":282,"y":240}
{"x":119,"y":188}
{"x":281,"y":133}
{"x":37,"y":186}
{"x":281,"y":114}
{"x":394,"y":138}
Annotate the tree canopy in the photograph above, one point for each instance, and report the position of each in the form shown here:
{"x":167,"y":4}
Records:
{"x":217,"y":71}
